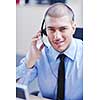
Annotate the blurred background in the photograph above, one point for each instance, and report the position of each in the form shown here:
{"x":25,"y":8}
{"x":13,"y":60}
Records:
{"x":29,"y":15}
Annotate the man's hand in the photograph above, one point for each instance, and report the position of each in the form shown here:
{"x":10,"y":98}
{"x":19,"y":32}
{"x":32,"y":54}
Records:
{"x":34,"y":52}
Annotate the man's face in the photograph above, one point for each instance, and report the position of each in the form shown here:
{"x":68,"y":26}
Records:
{"x":59,"y":32}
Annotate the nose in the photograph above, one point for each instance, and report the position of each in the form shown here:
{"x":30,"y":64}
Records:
{"x":57,"y":35}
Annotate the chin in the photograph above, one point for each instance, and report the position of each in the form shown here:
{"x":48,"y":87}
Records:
{"x":60,"y":49}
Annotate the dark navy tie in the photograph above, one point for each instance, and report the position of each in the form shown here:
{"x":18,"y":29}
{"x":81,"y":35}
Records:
{"x":61,"y":78}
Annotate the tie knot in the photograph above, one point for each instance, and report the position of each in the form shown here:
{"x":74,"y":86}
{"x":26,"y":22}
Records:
{"x":61,"y":56}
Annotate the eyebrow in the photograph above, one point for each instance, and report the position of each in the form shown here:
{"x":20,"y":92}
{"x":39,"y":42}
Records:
{"x":57,"y":27}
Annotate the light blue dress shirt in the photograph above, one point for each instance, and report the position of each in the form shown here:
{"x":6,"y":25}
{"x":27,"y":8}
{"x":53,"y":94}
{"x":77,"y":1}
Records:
{"x":46,"y":68}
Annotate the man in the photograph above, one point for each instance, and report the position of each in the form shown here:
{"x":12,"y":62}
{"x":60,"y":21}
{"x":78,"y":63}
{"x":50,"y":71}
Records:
{"x":44,"y":62}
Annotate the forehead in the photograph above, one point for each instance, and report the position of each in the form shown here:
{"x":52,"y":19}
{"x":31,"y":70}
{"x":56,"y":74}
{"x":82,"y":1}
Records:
{"x":57,"y":22}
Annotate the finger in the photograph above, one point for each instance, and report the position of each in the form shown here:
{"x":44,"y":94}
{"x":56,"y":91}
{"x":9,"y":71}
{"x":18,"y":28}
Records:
{"x":34,"y":36}
{"x":34,"y":41}
{"x":39,"y":33}
{"x":41,"y":47}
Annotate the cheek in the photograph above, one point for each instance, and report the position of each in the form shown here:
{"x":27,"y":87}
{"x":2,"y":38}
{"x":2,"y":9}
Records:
{"x":50,"y":37}
{"x":67,"y":37}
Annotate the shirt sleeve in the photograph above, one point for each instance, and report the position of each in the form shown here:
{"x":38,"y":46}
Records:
{"x":24,"y":74}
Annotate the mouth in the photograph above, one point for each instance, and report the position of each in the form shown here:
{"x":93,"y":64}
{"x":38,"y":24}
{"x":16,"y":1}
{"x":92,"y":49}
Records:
{"x":59,"y":43}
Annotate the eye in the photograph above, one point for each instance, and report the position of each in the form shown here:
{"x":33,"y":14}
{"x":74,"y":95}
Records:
{"x":63,"y":29}
{"x":51,"y":30}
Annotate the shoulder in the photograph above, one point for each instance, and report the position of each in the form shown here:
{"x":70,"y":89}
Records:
{"x":78,"y":42}
{"x":79,"y":53}
{"x":79,"y":48}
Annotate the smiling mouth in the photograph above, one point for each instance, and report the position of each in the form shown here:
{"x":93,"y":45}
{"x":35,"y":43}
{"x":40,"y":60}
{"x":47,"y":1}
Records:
{"x":59,"y":43}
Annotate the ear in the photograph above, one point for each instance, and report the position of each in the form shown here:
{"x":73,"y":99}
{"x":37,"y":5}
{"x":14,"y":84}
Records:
{"x":73,"y":27}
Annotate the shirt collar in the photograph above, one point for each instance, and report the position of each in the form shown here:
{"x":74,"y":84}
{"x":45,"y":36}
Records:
{"x":70,"y":52}
{"x":53,"y":53}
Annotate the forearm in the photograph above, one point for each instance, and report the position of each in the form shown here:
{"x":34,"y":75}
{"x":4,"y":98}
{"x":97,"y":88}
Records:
{"x":21,"y":70}
{"x":24,"y":74}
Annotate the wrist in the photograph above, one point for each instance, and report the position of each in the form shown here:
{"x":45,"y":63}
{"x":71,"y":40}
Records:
{"x":29,"y":64}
